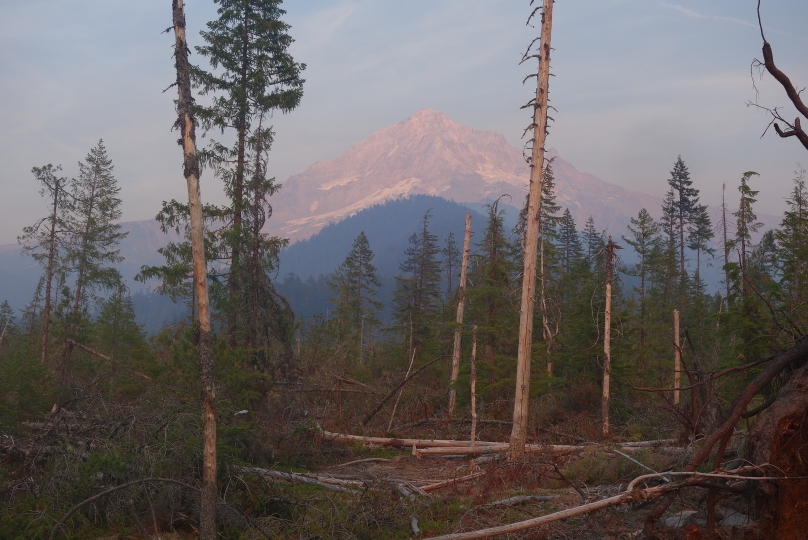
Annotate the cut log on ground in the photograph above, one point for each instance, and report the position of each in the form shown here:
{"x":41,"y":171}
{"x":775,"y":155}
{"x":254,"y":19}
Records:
{"x":519,"y":499}
{"x":452,"y":482}
{"x":290,"y":477}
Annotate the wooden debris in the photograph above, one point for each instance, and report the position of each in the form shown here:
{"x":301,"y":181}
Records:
{"x":366,"y":460}
{"x":452,"y":482}
{"x":291,"y":477}
{"x":520,"y":499}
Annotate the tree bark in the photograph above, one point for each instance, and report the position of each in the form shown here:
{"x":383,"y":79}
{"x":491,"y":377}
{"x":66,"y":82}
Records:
{"x":522,"y":398}
{"x":607,"y":340}
{"x":677,"y":362}
{"x":185,"y":123}
{"x":461,"y":303}
{"x":780,"y":438}
{"x":473,"y":436}
{"x":49,"y":278}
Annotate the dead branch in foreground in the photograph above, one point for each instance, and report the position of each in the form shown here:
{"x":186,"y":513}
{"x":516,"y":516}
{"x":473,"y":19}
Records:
{"x":97,"y":354}
{"x":407,"y":379}
{"x":630,"y":495}
{"x":291,"y":477}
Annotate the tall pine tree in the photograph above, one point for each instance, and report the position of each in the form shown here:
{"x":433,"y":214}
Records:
{"x":356,"y":284}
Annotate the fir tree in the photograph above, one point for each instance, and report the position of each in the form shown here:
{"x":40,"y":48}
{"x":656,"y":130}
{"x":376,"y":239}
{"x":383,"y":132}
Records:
{"x":355,"y":283}
{"x":548,"y":304}
{"x":746,"y":224}
{"x":417,"y":296}
{"x":490,"y":298}
{"x":94,"y":208}
{"x":685,"y":205}
{"x":700,"y":232}
{"x":792,"y":248}
{"x":253,"y":74}
{"x":569,"y":243}
{"x":644,"y":240}
{"x":593,"y":240}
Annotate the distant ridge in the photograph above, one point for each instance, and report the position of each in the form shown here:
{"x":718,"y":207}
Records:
{"x":430,"y":154}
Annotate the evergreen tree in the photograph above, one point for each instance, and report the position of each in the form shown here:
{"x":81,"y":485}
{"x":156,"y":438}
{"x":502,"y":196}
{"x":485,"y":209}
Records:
{"x":569,"y":243}
{"x":685,"y":205}
{"x":252,"y":75}
{"x":451,"y":264}
{"x":548,"y":271}
{"x":355,"y":283}
{"x":491,"y":302}
{"x":666,"y":267}
{"x":746,"y":224}
{"x":745,"y":322}
{"x":45,"y":242}
{"x":792,"y":249}
{"x":417,"y":297}
{"x":645,"y":240}
{"x":115,"y":330}
{"x":700,"y":232}
{"x":94,"y":208}
{"x":593,"y":240}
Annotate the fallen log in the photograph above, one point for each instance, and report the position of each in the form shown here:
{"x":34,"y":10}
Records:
{"x":97,"y":354}
{"x":630,"y":495}
{"x":519,"y":499}
{"x":451,"y":482}
{"x":291,"y":477}
{"x":423,"y":444}
{"x":401,"y":443}
{"x":499,"y":448}
{"x":358,"y":461}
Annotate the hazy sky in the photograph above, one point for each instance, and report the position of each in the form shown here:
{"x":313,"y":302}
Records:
{"x":637,"y":82}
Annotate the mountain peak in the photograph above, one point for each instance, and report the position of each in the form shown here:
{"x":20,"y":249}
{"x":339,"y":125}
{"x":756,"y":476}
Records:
{"x":430,"y":154}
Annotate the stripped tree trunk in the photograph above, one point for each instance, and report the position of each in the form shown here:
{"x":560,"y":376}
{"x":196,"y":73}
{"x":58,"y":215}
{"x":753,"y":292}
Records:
{"x":522,"y":397}
{"x":49,"y":278}
{"x":607,"y":339}
{"x":461,"y":303}
{"x":677,"y":363}
{"x":185,"y":123}
{"x":473,"y":385}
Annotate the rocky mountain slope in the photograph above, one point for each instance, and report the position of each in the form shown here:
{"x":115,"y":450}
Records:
{"x":430,"y":154}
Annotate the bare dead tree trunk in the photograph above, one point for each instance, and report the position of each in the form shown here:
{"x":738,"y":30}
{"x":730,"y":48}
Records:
{"x":522,"y":397}
{"x":49,"y":279}
{"x":677,"y":362}
{"x":3,"y":334}
{"x":607,"y":338}
{"x":461,"y":303}
{"x":473,"y":385}
{"x":185,"y":123}
{"x":548,"y":334}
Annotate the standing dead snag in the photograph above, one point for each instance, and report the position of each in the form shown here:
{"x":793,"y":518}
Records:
{"x":611,"y":247}
{"x":473,"y":384}
{"x":461,"y":303}
{"x":539,"y":125}
{"x":677,"y":362}
{"x":186,"y":125}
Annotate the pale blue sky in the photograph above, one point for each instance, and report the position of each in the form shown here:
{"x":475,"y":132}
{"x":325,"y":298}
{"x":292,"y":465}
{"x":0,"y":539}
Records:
{"x":637,"y":82}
